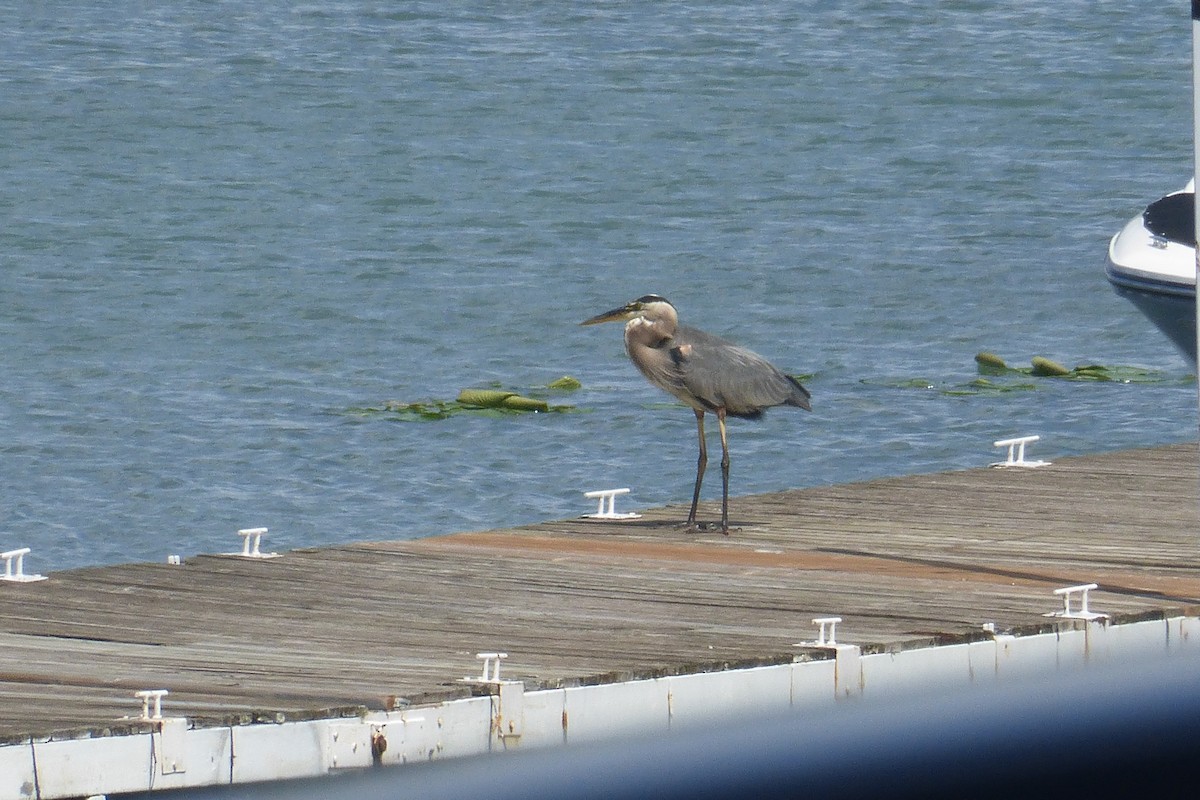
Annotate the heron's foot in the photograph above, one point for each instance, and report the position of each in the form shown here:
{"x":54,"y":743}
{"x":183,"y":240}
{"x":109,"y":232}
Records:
{"x":705,"y":527}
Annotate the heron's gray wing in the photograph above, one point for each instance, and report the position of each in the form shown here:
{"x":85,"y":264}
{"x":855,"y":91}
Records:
{"x":724,"y":375}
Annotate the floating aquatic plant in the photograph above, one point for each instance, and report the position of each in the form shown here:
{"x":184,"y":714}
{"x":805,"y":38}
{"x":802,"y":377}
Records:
{"x":914,"y":383}
{"x":975,"y":387}
{"x":499,"y":398}
{"x":984,"y":386}
{"x":1041,"y":367}
{"x":992,"y":368}
{"x":564,"y":384}
{"x":492,"y":401}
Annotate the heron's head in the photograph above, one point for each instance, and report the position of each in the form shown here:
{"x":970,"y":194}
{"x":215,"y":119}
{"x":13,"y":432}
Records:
{"x":649,"y":306}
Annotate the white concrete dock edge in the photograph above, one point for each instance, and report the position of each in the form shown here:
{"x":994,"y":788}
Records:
{"x":179,"y":756}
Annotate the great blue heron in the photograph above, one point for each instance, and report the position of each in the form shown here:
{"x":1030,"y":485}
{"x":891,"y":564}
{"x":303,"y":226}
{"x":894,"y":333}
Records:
{"x":705,"y":372}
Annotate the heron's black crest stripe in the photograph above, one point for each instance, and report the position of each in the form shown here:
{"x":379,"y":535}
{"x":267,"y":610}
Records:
{"x":653,"y":298}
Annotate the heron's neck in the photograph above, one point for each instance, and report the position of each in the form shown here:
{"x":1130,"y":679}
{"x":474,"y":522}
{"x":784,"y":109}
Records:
{"x":642,"y":332}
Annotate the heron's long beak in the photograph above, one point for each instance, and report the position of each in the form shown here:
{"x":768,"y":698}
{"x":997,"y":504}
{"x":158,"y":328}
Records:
{"x":622,"y":314}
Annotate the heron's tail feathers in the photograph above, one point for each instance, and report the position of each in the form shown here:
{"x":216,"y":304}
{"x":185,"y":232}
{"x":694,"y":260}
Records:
{"x":800,"y":396}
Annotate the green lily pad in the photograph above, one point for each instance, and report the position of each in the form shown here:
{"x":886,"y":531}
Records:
{"x":486,"y":402}
{"x":518,"y":403}
{"x":1045,"y":368}
{"x":564,"y":384}
{"x":484,"y":398}
{"x":990,"y":364}
{"x":1042,"y":367}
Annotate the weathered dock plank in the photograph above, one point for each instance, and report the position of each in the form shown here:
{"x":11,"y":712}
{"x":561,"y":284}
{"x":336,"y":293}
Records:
{"x":901,"y":560}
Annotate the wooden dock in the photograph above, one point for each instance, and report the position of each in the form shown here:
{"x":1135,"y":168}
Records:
{"x":325,"y":631}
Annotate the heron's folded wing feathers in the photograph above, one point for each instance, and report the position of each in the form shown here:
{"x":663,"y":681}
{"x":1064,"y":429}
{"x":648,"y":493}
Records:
{"x":722,"y":374}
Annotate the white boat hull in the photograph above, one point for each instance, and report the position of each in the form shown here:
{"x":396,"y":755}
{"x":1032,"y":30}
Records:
{"x":1149,"y":266}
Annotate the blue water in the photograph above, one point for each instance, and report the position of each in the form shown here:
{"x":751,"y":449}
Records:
{"x":230,"y":230}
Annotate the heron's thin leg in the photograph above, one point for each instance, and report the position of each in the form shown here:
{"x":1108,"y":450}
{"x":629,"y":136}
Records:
{"x":701,"y":463}
{"x":724,"y":473}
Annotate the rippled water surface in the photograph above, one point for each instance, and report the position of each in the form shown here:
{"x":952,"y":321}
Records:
{"x":234,"y":232}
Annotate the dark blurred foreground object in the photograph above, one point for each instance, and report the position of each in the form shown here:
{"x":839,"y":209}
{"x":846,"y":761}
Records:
{"x":1130,"y":730}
